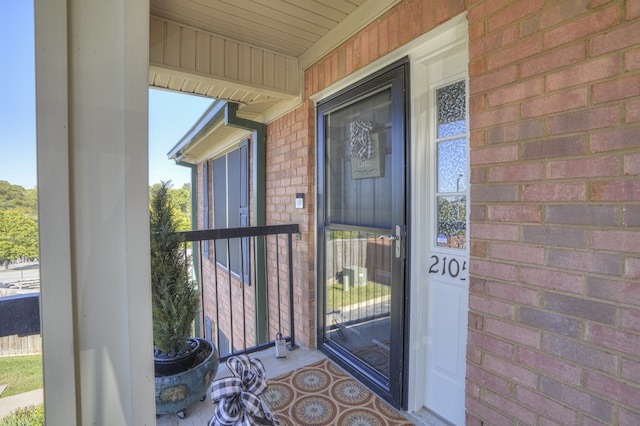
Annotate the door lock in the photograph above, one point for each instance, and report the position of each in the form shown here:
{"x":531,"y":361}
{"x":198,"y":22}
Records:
{"x":397,"y":238}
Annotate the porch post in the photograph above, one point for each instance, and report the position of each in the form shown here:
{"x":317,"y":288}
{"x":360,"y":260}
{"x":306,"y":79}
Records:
{"x":91,"y":103}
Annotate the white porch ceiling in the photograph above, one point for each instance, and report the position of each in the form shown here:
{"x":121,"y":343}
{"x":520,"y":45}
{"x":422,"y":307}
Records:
{"x":252,"y":52}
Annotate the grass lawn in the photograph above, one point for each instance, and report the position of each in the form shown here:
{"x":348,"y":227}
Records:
{"x":338,"y":298}
{"x":21,"y":374}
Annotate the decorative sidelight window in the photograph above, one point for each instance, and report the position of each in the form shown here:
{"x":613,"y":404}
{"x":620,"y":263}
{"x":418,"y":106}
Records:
{"x":451,"y":154}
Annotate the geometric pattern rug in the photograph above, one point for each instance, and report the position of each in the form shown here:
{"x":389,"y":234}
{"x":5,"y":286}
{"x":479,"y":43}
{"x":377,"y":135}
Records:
{"x":322,"y":394}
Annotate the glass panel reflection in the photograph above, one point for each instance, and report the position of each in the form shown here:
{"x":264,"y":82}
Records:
{"x":452,"y":164}
{"x":358,"y":162}
{"x":451,"y":110}
{"x":358,"y":295}
{"x":452,"y":225}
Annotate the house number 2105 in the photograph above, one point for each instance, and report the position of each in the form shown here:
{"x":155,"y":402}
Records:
{"x":446,"y":266}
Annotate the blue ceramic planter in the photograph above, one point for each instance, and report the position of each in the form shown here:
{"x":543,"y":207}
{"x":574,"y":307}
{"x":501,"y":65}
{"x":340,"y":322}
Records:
{"x":175,"y":393}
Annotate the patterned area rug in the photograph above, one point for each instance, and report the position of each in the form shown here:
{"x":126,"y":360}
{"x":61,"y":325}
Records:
{"x":322,"y":394}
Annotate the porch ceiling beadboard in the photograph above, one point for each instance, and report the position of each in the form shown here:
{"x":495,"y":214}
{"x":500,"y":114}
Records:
{"x":249,"y":52}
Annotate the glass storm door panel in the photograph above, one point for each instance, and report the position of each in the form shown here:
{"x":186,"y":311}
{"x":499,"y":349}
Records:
{"x":362,"y":225}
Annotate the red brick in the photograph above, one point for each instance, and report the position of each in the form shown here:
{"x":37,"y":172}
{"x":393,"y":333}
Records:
{"x":516,"y":92}
{"x":632,"y":59}
{"x":577,"y":398}
{"x":583,"y":168}
{"x":594,"y":118}
{"x":554,"y":323}
{"x":626,"y":416}
{"x":560,"y":236}
{"x":498,"y":193}
{"x":515,"y":213}
{"x":519,"y":131}
{"x":517,"y":252}
{"x":486,"y":415}
{"x":509,"y":406}
{"x":599,"y":263}
{"x":478,"y":248}
{"x":553,"y":60}
{"x":633,"y":269}
{"x":486,"y":8}
{"x":558,"y":102}
{"x":546,"y":406}
{"x":581,"y":28}
{"x":628,"y":137}
{"x":630,"y":370}
{"x":621,"y":88}
{"x":494,"y":117}
{"x":492,"y":42}
{"x":632,"y":111}
{"x":622,"y":241}
{"x":630,"y":319}
{"x":591,"y":310}
{"x":478,"y":213}
{"x":582,"y":215}
{"x":513,"y":13}
{"x":557,"y":147}
{"x":490,"y":344}
{"x":612,"y":389}
{"x":500,"y":154}
{"x":520,"y":172}
{"x":493,"y":80}
{"x":570,"y":191}
{"x":612,"y":338}
{"x":555,"y":280}
{"x":513,"y":293}
{"x":632,"y":12}
{"x":561,"y":12}
{"x":476,"y":68}
{"x":495,"y":232}
{"x":500,"y":271}
{"x":618,"y":39}
{"x":513,"y":54}
{"x":632,"y":164}
{"x":492,"y":307}
{"x":477,"y":31}
{"x":571,"y":351}
{"x":585,"y":72}
{"x":623,"y":190}
{"x":487,"y":379}
{"x":618,"y":291}
{"x":510,"y":371}
{"x":517,"y":334}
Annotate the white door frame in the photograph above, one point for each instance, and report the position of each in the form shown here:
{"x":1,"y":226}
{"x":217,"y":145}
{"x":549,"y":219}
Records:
{"x":448,"y":40}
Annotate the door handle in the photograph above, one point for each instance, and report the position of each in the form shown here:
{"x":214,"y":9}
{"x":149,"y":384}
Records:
{"x":397,"y":238}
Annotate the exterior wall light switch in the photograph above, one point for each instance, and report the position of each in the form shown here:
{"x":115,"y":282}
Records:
{"x":299,"y":200}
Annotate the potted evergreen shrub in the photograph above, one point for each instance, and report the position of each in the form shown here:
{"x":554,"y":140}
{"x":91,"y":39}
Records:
{"x":184,"y":366}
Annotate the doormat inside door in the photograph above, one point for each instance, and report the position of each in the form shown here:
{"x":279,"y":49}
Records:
{"x":323,"y":394}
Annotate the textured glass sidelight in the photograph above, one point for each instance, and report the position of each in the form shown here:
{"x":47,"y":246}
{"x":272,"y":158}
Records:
{"x":451,"y":110}
{"x":452,"y":165}
{"x":451,"y":150}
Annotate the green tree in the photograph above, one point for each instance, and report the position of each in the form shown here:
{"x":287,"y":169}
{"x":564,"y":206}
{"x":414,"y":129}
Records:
{"x":174,"y":300}
{"x":18,"y":235}
{"x":180,"y":202}
{"x":16,"y":197}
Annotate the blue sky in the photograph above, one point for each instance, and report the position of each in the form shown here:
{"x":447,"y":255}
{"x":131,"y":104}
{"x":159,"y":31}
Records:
{"x":171,"y":115}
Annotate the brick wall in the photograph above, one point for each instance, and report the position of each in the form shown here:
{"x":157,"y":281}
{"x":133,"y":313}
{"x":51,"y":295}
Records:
{"x":554,"y":334}
{"x":291,"y":169}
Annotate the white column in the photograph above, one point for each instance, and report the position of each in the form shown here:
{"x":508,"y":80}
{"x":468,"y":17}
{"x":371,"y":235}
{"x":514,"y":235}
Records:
{"x":91,"y":102}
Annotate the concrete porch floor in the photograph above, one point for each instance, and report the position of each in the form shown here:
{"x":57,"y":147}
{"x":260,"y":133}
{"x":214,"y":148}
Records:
{"x":200,"y":412}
